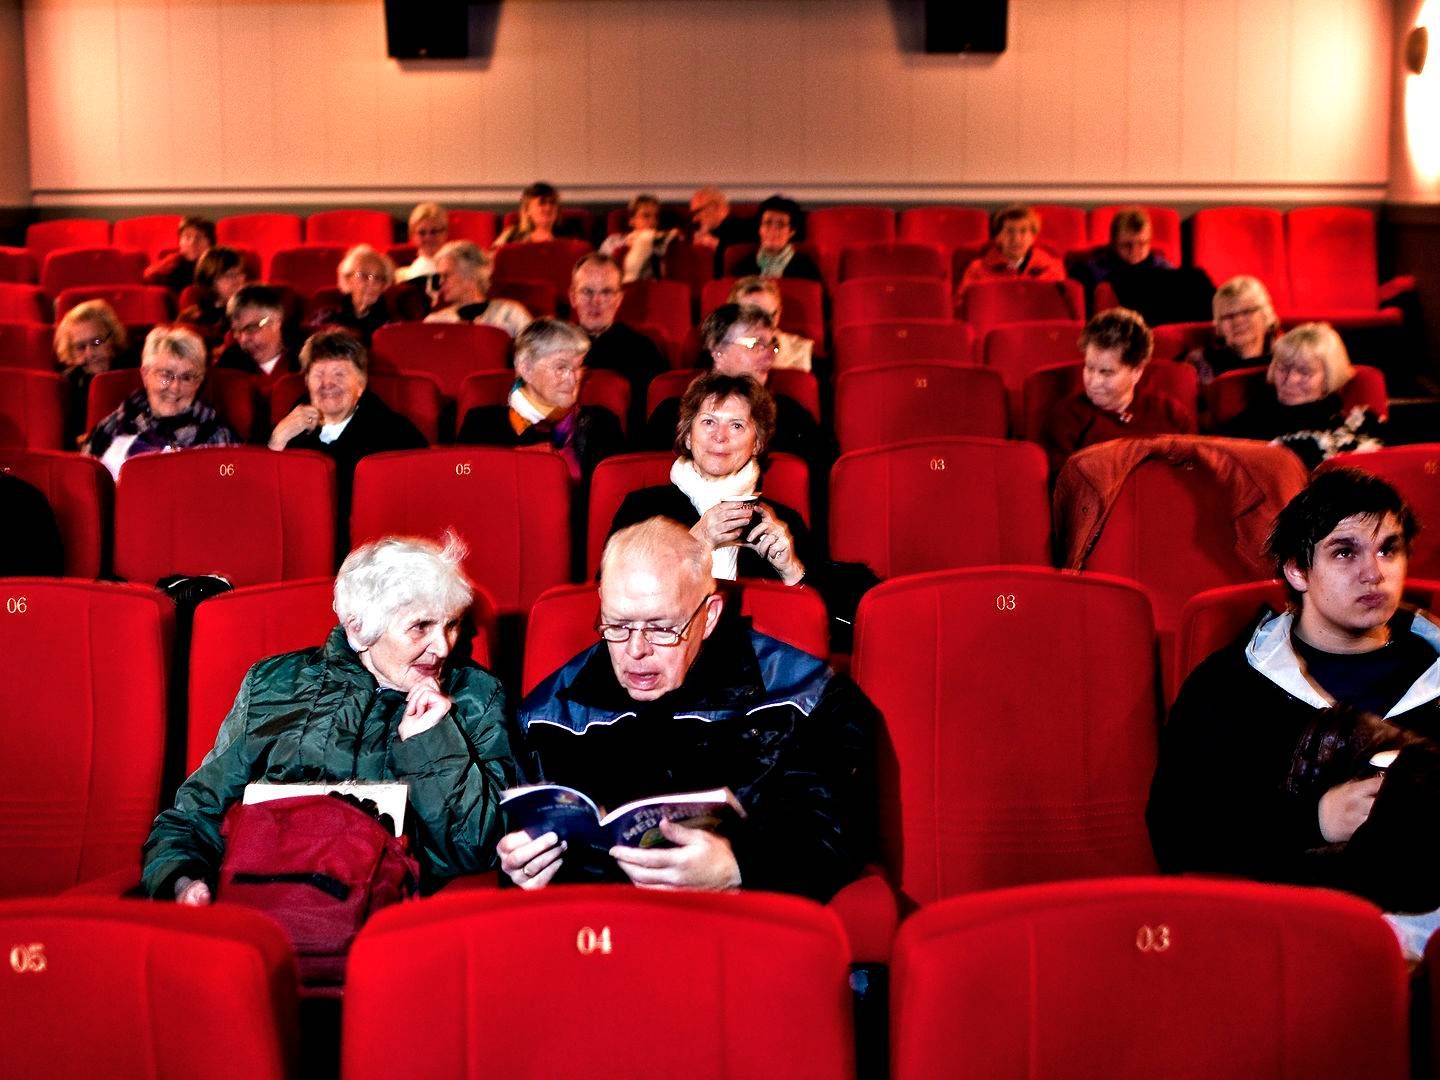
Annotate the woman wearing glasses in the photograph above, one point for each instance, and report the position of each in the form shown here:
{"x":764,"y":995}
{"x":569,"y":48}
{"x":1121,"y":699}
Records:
{"x":726,"y":422}
{"x":1245,"y":329}
{"x":88,"y":340}
{"x":166,"y":413}
{"x":361,"y":307}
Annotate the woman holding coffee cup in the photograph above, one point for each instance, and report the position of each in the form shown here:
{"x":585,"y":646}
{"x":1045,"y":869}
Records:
{"x":726,"y":421}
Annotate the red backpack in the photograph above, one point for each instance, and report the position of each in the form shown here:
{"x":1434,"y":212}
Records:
{"x":319,"y":865}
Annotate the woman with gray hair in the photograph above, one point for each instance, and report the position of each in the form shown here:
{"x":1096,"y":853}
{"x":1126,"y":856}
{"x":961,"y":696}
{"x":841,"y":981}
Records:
{"x":1245,"y":329}
{"x":544,"y":405}
{"x":382,"y":700}
{"x":166,"y":412}
{"x":363,"y":276}
{"x":463,"y":271}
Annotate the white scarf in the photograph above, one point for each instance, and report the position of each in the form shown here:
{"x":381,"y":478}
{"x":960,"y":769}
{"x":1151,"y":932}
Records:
{"x":706,"y":491}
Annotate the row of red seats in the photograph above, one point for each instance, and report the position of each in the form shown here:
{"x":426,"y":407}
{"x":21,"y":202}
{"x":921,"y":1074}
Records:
{"x":1126,"y":979}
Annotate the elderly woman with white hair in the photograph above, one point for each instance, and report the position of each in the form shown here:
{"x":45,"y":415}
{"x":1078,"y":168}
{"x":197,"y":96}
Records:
{"x":1246,"y":327}
{"x":362,"y":308}
{"x":544,"y":405}
{"x":1305,"y":413}
{"x":382,"y":700}
{"x":166,"y":413}
{"x":463,"y":271}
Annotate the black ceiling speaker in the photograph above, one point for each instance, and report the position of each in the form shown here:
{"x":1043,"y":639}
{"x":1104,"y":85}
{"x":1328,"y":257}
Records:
{"x":432,"y":30}
{"x":968,"y":26}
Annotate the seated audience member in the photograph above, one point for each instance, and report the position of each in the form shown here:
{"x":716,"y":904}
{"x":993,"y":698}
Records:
{"x":595,"y":295}
{"x":739,"y":339}
{"x":680,"y":695}
{"x":794,"y":351}
{"x":176,"y":270}
{"x":644,"y":245}
{"x":714,"y":227}
{"x":538,"y":216}
{"x":89,"y":339}
{"x":257,"y":333}
{"x":544,"y":407}
{"x":31,"y":544}
{"x":429,"y":229}
{"x":464,"y":274}
{"x":1111,"y":405}
{"x":383,"y":699}
{"x":339,"y":416}
{"x":776,"y":256}
{"x":219,"y":275}
{"x":1265,"y":768}
{"x":1143,"y":279}
{"x":1306,"y":413}
{"x":1129,"y":249}
{"x":726,"y":422}
{"x":364,"y":275}
{"x":1245,"y":329}
{"x":1013,"y":252}
{"x":166,"y":413}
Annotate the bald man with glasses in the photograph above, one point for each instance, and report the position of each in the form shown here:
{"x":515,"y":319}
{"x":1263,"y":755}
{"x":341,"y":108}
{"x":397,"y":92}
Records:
{"x":679,"y":695}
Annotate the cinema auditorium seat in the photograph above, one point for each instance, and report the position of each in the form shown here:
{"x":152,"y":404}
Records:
{"x":447,"y":352}
{"x":1165,"y":236}
{"x":885,"y":299}
{"x":80,"y":491}
{"x":32,"y":409}
{"x":988,"y":304}
{"x":903,"y":341}
{"x":43,"y":237}
{"x":1047,"y":386}
{"x":1414,"y":471}
{"x":262,"y":233}
{"x":886,"y":403}
{"x":350,"y":227}
{"x":414,"y":396}
{"x":1232,"y":392}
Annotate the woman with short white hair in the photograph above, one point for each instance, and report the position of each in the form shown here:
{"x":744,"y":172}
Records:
{"x":166,"y":413}
{"x":382,"y":700}
{"x":362,"y":306}
{"x":464,"y":271}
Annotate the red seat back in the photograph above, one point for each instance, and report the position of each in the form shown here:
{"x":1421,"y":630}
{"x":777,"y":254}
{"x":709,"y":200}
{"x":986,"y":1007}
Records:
{"x":86,"y":665}
{"x":1006,"y":759}
{"x":24,"y":303}
{"x":565,"y":949}
{"x":888,"y":403}
{"x":1232,"y":240}
{"x":902,"y":259}
{"x":539,"y":298}
{"x":1049,"y":981}
{"x":887,"y":299}
{"x":988,"y":304}
{"x":122,"y":965}
{"x":1332,"y":259}
{"x":82,"y":495}
{"x":308,"y":268}
{"x":550,"y":260}
{"x":144,"y":304}
{"x":350,"y":227}
{"x":898,"y":508}
{"x":477,"y":226}
{"x":949,"y":227}
{"x":510,"y":507}
{"x":802,"y":305}
{"x":1062,"y":228}
{"x":67,"y":268}
{"x":1164,"y":227}
{"x":245,"y":512}
{"x":1414,"y":471}
{"x":665,"y":304}
{"x":1017,"y":349}
{"x":1175,"y":341}
{"x":32,"y":409}
{"x":415,"y":397}
{"x":263,"y":233}
{"x":27,"y":345}
{"x":152,"y":233}
{"x":903,"y":341}
{"x":231,"y":392}
{"x":447,"y":352}
{"x":17,"y":266}
{"x":43,"y":237}
{"x":1232,"y":392}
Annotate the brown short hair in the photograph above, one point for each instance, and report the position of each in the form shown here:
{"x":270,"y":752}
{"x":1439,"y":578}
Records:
{"x":1123,"y":329}
{"x":712,"y":384}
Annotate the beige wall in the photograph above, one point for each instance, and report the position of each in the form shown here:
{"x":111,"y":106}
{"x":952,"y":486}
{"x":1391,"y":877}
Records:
{"x":167,"y":101}
{"x":14,"y":160}
{"x":1415,"y":147}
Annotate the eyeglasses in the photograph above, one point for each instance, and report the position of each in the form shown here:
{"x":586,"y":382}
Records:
{"x":366,"y":275}
{"x":756,"y":344}
{"x":1243,"y":313}
{"x":663,"y":636}
{"x":255,"y":327}
{"x":1302,"y":371}
{"x":165,"y":377}
{"x":559,"y":369}
{"x":432,"y":230}
{"x":597,"y":294}
{"x":90,"y":343}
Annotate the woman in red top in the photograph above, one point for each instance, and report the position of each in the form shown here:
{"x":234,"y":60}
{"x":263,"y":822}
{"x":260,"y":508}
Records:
{"x":1012,"y":253}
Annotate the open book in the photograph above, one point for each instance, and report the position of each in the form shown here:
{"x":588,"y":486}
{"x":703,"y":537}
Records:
{"x":389,"y":797}
{"x":573,"y":816}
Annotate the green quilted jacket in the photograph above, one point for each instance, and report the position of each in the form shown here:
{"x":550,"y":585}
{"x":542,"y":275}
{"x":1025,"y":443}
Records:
{"x":317,"y":715}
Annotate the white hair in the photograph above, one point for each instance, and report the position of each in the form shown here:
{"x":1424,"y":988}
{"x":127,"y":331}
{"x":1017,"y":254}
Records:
{"x":381,"y":581}
{"x":178,"y":341}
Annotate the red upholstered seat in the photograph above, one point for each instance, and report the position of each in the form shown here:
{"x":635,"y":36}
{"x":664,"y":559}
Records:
{"x":477,"y":226}
{"x":17,"y":265}
{"x":263,"y":233}
{"x":415,"y":397}
{"x":510,"y":507}
{"x":550,"y":260}
{"x":1164,"y":227}
{"x":151,"y":233}
{"x":85,"y":665}
{"x":947,"y":226}
{"x":245,"y":512}
{"x":887,"y":403}
{"x":1415,"y":472}
{"x":932,"y":504}
{"x":43,"y":237}
{"x":886,"y":299}
{"x":24,"y":303}
{"x":1133,"y":979}
{"x":567,"y":951}
{"x":802,"y":306}
{"x":1333,"y":262}
{"x":67,"y":268}
{"x":993,"y":303}
{"x":32,"y":409}
{"x":231,"y":392}
{"x":306,"y":268}
{"x":1232,"y":392}
{"x":447,"y":352}
{"x":124,"y":988}
{"x":1007,"y":759}
{"x":902,"y":259}
{"x":665,"y":304}
{"x":786,"y":480}
{"x":27,"y":345}
{"x":350,"y":227}
{"x":1062,"y":228}
{"x":539,"y":298}
{"x":903,"y":341}
{"x":81,"y":494}
{"x":1017,"y":349}
{"x":832,"y":228}
{"x":144,"y":304}
{"x":1046,"y":386}
{"x":1250,"y":240}
{"x":1175,"y":341}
